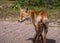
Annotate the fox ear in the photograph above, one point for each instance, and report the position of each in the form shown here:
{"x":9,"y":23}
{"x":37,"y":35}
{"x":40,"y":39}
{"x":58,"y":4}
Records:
{"x":20,"y":8}
{"x":27,"y":9}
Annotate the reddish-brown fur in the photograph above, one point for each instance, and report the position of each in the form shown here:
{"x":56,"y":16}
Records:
{"x":38,"y":18}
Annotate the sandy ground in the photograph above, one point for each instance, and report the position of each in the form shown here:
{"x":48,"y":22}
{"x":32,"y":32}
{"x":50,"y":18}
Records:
{"x":15,"y":32}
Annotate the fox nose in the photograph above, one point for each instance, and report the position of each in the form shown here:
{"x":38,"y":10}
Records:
{"x":19,"y":21}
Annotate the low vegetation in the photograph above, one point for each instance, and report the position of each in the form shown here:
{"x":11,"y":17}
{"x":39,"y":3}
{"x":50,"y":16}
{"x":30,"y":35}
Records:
{"x":10,"y":9}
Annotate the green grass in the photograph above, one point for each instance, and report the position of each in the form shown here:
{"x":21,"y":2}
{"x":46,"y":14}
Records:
{"x":7,"y":12}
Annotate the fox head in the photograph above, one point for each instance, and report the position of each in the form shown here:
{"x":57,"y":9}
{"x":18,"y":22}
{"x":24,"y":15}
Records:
{"x":24,"y":14}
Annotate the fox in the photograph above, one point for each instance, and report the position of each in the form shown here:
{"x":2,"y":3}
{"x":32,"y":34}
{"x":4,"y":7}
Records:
{"x":39,"y":19}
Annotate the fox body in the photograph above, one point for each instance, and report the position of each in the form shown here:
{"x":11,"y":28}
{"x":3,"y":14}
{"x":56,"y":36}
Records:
{"x":37,"y":17}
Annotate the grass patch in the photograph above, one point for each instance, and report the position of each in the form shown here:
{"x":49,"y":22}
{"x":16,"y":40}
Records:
{"x":6,"y":12}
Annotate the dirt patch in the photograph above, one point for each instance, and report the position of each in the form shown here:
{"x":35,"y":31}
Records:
{"x":15,"y":32}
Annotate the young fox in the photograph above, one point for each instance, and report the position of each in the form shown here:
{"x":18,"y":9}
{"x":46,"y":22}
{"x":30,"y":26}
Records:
{"x":38,"y":18}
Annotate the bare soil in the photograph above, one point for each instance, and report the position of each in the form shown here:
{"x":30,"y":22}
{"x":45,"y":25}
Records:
{"x":15,"y":32}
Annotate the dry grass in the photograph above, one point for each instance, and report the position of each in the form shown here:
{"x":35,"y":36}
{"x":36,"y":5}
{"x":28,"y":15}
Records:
{"x":6,"y":12}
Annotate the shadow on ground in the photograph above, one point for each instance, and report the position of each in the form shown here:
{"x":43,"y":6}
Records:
{"x":48,"y":40}
{"x":51,"y":41}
